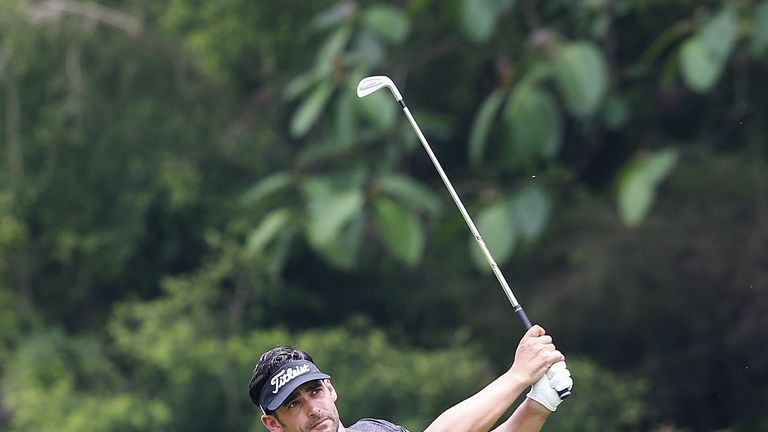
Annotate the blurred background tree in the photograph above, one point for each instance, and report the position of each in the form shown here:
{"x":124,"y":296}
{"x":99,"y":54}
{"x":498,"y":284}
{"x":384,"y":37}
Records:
{"x":186,"y":184}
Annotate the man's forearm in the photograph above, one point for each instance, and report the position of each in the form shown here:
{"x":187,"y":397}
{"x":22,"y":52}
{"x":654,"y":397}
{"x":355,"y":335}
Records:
{"x":481,"y":411}
{"x":528,"y":417}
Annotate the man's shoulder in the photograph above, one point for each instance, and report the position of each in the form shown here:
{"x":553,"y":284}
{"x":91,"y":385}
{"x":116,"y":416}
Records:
{"x":375,"y":425}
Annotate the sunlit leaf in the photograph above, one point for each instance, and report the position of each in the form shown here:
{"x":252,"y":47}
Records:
{"x":369,"y":50}
{"x":400,"y":230}
{"x":536,"y":123}
{"x":719,"y":34}
{"x":481,"y":127}
{"x":704,"y":55}
{"x":269,"y":228}
{"x":299,"y":85}
{"x":530,"y":207}
{"x":309,"y":111}
{"x":635,"y":195}
{"x":659,"y":164}
{"x":581,"y":77}
{"x":267,"y":186}
{"x":497,"y":227}
{"x":478,"y":18}
{"x":638,"y":182}
{"x":329,"y":211}
{"x":280,"y":249}
{"x":388,"y":22}
{"x":332,"y":48}
{"x":700,"y":70}
{"x":342,"y":250}
{"x":410,"y":192}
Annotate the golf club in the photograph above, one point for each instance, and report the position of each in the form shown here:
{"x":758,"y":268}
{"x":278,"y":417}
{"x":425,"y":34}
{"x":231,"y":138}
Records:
{"x":371,"y":84}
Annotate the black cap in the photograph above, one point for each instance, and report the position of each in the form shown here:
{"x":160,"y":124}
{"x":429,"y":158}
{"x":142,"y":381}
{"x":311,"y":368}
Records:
{"x":285,"y":380}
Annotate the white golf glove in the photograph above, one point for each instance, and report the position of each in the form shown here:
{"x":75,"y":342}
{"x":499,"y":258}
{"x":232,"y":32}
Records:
{"x":546,"y":390}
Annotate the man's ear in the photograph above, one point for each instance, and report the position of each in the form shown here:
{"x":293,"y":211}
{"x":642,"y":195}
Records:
{"x":271,"y":423}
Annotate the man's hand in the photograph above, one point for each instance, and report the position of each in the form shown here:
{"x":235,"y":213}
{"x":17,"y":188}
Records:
{"x":535,"y":354}
{"x":545,"y":390}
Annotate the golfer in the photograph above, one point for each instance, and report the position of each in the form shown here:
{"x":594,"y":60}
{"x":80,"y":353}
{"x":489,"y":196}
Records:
{"x":295,"y":396}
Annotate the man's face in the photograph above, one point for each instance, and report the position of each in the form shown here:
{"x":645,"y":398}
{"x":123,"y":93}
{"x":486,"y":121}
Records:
{"x":311,"y":408}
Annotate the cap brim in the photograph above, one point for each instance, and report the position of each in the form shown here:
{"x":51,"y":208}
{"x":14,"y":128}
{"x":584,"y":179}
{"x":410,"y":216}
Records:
{"x":289,"y":388}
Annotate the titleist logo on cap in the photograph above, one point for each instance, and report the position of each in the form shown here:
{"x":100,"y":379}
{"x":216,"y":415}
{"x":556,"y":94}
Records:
{"x":286,"y":375}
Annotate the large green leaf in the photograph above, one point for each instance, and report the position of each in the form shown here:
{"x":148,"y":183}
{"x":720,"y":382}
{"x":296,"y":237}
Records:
{"x":388,"y":22}
{"x":497,"y":227}
{"x":410,"y":192}
{"x":719,"y":34}
{"x":478,"y":137}
{"x":704,"y":55}
{"x":582,"y":77}
{"x":536,"y":123}
{"x":309,"y":111}
{"x":331,"y":49}
{"x":301,"y":84}
{"x":342,"y":251}
{"x":700,"y":70}
{"x":267,"y":186}
{"x":329,"y":211}
{"x":530,"y":206}
{"x":269,"y":228}
{"x":478,"y":18}
{"x":401,"y":230}
{"x":638,"y":182}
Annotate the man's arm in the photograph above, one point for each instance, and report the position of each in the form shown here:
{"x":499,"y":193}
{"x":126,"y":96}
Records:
{"x":535,"y":354}
{"x":528,"y":417}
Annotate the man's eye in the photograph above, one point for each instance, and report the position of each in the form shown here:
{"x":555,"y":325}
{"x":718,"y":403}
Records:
{"x":293,"y":404}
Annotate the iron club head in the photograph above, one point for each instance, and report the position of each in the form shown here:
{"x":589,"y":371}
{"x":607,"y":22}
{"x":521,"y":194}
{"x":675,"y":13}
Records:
{"x":372,"y":84}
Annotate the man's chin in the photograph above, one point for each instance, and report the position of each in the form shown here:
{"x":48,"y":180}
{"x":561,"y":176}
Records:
{"x":327,"y":425}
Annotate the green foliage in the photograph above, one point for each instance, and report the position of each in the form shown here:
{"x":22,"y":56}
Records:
{"x":186,"y":184}
{"x":481,"y":126}
{"x":401,"y":229}
{"x":499,"y":234}
{"x":704,"y":55}
{"x":310,"y":109}
{"x":410,"y":192}
{"x":388,"y":22}
{"x":330,"y":210}
{"x":536,"y":123}
{"x":516,"y":218}
{"x":581,"y":77}
{"x":60,"y":383}
{"x":638,"y":183}
{"x":602,"y":400}
{"x":480,"y":17}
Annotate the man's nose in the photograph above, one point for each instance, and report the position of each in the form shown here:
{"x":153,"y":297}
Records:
{"x":314,"y":408}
